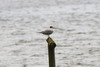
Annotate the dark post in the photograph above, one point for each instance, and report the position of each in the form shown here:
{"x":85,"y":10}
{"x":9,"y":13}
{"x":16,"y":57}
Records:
{"x":51,"y":52}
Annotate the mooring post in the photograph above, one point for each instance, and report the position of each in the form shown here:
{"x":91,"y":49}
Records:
{"x":51,"y":52}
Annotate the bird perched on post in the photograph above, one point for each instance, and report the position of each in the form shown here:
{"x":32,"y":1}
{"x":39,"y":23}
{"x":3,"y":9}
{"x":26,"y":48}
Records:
{"x":48,"y":32}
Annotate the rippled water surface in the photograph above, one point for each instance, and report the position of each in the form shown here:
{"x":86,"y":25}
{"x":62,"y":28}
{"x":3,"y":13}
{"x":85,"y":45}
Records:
{"x":78,"y":39}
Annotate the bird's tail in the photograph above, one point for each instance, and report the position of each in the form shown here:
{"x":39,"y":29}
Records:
{"x":39,"y":32}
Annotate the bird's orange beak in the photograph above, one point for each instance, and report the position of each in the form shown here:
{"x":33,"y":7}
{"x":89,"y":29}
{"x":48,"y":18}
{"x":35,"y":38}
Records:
{"x":54,"y":28}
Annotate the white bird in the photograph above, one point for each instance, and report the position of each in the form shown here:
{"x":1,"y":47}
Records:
{"x":48,"y":32}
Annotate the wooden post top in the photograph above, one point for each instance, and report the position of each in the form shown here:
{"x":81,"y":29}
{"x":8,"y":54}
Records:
{"x":51,"y":42}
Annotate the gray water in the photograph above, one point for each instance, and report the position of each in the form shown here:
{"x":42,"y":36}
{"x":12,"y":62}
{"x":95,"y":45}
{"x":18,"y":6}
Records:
{"x":77,"y":39}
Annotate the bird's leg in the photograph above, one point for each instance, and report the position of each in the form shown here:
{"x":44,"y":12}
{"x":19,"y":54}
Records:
{"x":48,"y":36}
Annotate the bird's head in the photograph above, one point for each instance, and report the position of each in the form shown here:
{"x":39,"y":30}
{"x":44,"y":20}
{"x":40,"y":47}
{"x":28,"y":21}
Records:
{"x":53,"y":27}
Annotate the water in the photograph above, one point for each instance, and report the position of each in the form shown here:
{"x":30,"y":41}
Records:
{"x":77,"y":40}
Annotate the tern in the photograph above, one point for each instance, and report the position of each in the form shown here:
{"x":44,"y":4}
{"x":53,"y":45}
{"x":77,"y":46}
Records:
{"x":48,"y":32}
